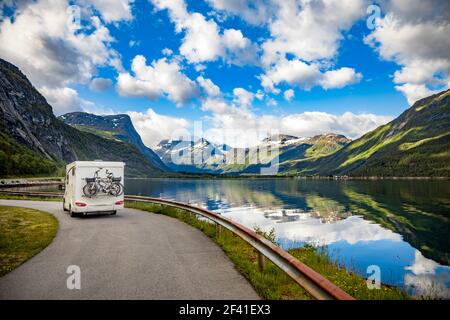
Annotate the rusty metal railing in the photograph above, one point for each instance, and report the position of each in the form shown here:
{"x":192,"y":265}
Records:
{"x":32,"y":193}
{"x":315,"y":284}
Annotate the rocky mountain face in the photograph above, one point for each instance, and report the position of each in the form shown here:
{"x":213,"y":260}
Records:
{"x":27,"y":117}
{"x":417,"y":143}
{"x":117,"y":127}
{"x":34,"y":141}
{"x":204,"y":156}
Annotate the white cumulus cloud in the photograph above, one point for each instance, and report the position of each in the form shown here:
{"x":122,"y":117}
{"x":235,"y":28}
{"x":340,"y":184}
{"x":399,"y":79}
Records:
{"x":112,"y":11}
{"x":303,"y":75}
{"x":253,"y":11}
{"x":154,"y":127}
{"x":304,"y":38}
{"x":234,"y":122}
{"x":203,"y":40}
{"x":309,"y":30}
{"x":209,"y":87}
{"x":339,"y":78}
{"x":44,"y":39}
{"x":161,"y":77}
{"x":414,"y":34}
{"x":289,"y":94}
{"x":242,"y":97}
{"x":65,"y":100}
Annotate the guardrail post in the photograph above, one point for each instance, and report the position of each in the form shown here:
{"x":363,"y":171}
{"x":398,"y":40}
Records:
{"x":218,"y":230}
{"x":261,"y":262}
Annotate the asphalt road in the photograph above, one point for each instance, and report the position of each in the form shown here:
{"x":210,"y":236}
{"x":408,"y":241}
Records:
{"x":134,"y":255}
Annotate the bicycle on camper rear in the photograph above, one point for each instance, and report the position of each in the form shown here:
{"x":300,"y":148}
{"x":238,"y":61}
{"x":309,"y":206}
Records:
{"x":109,"y":185}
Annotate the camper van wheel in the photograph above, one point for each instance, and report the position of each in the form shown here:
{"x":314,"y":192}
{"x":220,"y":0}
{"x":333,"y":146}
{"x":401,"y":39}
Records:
{"x":113,"y":213}
{"x":72,"y":213}
{"x":64,"y":208}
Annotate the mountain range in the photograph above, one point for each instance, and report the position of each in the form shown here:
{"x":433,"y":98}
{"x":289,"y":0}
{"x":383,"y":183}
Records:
{"x":204,"y":156}
{"x":36,"y":142}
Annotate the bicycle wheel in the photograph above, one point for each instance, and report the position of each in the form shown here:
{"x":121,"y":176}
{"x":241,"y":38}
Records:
{"x":90,"y":189}
{"x":122,"y":189}
{"x":116,"y":189}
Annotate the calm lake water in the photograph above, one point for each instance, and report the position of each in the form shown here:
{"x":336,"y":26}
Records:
{"x":402,"y":226}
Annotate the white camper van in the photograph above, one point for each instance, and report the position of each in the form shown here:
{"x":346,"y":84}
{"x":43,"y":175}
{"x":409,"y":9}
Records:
{"x":94,"y":186}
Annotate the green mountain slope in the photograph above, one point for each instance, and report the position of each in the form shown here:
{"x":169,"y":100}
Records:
{"x":16,"y":159}
{"x":417,"y":143}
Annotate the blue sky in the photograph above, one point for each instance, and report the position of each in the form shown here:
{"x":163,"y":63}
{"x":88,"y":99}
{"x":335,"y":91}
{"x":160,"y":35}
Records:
{"x":300,"y":67}
{"x":154,"y":32}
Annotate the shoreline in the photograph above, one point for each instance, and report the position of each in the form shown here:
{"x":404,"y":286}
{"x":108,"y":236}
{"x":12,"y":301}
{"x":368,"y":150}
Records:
{"x":32,"y":182}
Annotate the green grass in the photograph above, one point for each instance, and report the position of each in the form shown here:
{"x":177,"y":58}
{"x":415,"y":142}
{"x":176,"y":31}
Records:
{"x":273,"y":283}
{"x":324,"y":145}
{"x":410,"y":145}
{"x":102,"y":133}
{"x":382,"y":144}
{"x":23,"y":234}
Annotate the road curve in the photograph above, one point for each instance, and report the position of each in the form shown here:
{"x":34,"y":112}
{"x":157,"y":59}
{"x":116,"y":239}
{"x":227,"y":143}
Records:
{"x":134,"y":255}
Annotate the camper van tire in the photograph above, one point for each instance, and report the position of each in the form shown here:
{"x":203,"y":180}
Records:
{"x":73,"y":214}
{"x":64,"y":208}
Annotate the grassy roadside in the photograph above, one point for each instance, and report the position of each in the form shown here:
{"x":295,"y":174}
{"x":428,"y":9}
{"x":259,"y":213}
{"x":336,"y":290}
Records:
{"x":23,"y":234}
{"x":273,"y":283}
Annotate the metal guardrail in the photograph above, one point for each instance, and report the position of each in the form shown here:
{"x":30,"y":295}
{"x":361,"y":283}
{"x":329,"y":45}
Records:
{"x":32,"y":194}
{"x":314,"y":283}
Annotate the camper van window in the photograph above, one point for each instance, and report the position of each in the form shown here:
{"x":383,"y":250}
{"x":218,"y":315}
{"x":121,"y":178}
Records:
{"x":73,"y":171}
{"x":67,"y":179}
